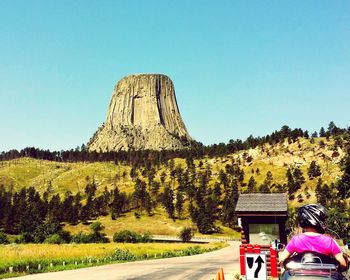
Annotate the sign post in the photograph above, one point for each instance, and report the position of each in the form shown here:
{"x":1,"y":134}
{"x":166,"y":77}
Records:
{"x":255,"y":266}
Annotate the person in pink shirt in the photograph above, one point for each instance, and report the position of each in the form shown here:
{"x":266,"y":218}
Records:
{"x":311,"y":218}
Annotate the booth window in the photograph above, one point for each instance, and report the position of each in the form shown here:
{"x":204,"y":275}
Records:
{"x":263,"y":234}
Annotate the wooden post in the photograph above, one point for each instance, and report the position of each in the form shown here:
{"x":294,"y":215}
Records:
{"x":273,"y":261}
{"x":241,"y":259}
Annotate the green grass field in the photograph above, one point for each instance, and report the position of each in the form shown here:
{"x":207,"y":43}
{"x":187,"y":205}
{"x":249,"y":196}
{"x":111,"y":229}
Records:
{"x":10,"y":254}
{"x":25,"y":258}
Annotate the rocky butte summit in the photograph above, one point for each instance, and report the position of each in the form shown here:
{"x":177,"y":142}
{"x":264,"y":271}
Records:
{"x":142,"y":115}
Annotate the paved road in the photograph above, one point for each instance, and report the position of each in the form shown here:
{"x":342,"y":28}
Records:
{"x":199,"y":267}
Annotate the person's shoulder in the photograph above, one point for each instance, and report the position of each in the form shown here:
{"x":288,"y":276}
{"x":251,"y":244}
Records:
{"x":327,"y":237}
{"x":299,"y":236}
{"x":296,"y":237}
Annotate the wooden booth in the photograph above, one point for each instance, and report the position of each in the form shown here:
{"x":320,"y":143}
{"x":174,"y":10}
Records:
{"x":262,"y":217}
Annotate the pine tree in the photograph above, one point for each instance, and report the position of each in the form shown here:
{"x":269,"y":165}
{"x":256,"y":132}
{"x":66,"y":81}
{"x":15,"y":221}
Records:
{"x":298,"y":179}
{"x":189,"y":162}
{"x":251,"y":185}
{"x":140,"y":194}
{"x":192,"y":210}
{"x":343,"y":185}
{"x":106,"y":199}
{"x":55,"y":209}
{"x":290,"y":182}
{"x":212,"y":203}
{"x":151,"y":175}
{"x":229,"y":204}
{"x":5,"y":205}
{"x":163,"y":177}
{"x":332,"y":128}
{"x":171,"y":164}
{"x":90,"y":207}
{"x":338,"y":220}
{"x":68,"y":213}
{"x":118,"y":203}
{"x":90,"y":210}
{"x":265,"y":187}
{"x":217,"y":191}
{"x":168,"y":201}
{"x":223,"y":178}
{"x":314,"y":170}
{"x":133,"y":173}
{"x":322,"y":132}
{"x":298,"y":176}
{"x":155,"y":189}
{"x":77,"y":208}
{"x":179,"y":205}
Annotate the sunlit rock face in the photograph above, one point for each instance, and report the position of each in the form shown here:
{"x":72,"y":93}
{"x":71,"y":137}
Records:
{"x":143,"y":114}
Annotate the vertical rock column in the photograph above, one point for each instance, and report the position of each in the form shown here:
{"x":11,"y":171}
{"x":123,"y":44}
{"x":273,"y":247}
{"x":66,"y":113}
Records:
{"x":143,"y":114}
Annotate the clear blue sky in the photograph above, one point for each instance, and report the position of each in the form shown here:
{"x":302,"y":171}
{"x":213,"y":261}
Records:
{"x":239,"y":67}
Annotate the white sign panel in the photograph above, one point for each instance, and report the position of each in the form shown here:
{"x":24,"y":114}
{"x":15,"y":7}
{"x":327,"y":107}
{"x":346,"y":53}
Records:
{"x":255,"y":266}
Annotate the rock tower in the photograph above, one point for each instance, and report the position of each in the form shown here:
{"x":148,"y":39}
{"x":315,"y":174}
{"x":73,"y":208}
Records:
{"x":143,"y":114}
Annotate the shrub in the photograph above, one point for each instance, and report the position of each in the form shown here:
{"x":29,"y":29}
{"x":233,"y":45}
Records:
{"x":146,"y":238}
{"x":186,"y":234}
{"x":97,"y":236}
{"x":128,"y":236}
{"x":123,"y":255}
{"x":54,"y":239}
{"x":137,"y":215}
{"x":81,"y":238}
{"x":65,"y":235}
{"x":19,"y":239}
{"x":3,"y":238}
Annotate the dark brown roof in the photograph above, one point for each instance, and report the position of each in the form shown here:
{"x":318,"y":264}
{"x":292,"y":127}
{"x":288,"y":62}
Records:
{"x":262,"y":202}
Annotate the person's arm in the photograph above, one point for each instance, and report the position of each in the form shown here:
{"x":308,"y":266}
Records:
{"x":338,"y":254}
{"x":289,"y":250}
{"x":339,"y":257}
{"x":283,"y":256}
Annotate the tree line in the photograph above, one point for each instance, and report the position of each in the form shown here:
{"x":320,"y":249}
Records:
{"x":197,"y":150}
{"x":184,"y":191}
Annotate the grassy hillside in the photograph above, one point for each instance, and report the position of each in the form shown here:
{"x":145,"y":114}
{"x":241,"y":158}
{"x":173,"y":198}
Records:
{"x":57,"y":177}
{"x":157,"y":224}
{"x":61,"y":177}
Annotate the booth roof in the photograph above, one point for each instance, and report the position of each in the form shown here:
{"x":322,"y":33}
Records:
{"x":262,"y":202}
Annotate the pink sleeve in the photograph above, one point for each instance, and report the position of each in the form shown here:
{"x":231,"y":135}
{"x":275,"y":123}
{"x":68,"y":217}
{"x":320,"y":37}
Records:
{"x":335,"y":249}
{"x":291,"y":246}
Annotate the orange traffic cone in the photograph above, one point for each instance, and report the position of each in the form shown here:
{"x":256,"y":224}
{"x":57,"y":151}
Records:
{"x":220,"y":275}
